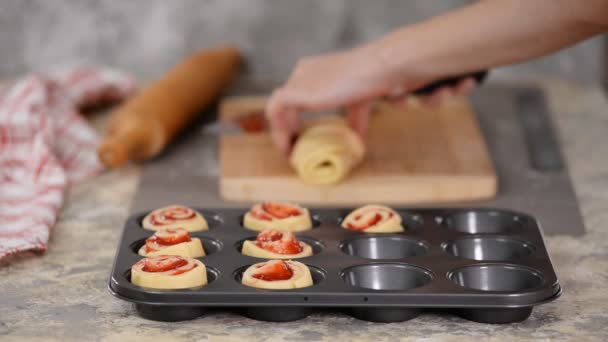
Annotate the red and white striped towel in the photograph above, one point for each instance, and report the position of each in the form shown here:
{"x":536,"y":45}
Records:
{"x":46,"y":143}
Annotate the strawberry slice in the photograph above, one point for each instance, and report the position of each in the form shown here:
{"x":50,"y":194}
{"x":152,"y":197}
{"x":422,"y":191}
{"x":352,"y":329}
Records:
{"x":172,"y":214}
{"x":280,"y":210}
{"x":273,"y":270}
{"x":277,"y":242}
{"x":269,"y":235}
{"x":163,"y":263}
{"x":287,"y":245}
{"x":179,"y":213}
{"x":166,"y":237}
{"x":171,"y":236}
{"x":183,"y":270}
{"x":360,"y":225}
{"x":253,"y":122}
{"x":260,"y":214}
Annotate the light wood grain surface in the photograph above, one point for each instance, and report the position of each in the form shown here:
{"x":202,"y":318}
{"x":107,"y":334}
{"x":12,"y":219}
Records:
{"x":414,"y":155}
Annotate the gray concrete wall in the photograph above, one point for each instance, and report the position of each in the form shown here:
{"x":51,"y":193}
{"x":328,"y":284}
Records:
{"x":147,"y":36}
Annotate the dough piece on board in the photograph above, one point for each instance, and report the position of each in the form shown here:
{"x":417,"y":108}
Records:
{"x":284,"y":217}
{"x":170,"y":241}
{"x":175,"y":216}
{"x":273,"y":244}
{"x":169,"y":272}
{"x":373,"y":219}
{"x":278,"y":275}
{"x":326,"y":152}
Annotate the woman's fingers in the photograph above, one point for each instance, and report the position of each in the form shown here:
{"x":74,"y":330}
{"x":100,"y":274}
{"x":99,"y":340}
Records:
{"x":283,"y":120}
{"x":358,"y":117}
{"x":397,"y":93}
{"x":465,"y":86}
{"x":324,"y":83}
{"x":339,"y":80}
{"x":437,"y":96}
{"x":398,"y":96}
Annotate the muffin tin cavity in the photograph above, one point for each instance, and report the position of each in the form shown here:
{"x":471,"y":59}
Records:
{"x":486,"y":265}
{"x":386,"y":276}
{"x":503,"y":278}
{"x":317,"y":246}
{"x":384,"y":247}
{"x":411,"y":221}
{"x":488,"y":248}
{"x":481,"y":222}
{"x":214,"y":219}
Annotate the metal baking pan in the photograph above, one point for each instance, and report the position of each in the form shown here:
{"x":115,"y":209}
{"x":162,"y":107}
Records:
{"x":486,"y":265}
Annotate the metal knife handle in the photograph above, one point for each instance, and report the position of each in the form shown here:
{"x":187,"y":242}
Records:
{"x":479,"y":77}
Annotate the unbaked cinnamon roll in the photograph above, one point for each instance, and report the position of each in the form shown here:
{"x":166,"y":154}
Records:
{"x":172,"y":241}
{"x":373,"y":219}
{"x":273,"y":244}
{"x":169,"y":272}
{"x":284,"y":217}
{"x":278,"y":275}
{"x":175,"y":216}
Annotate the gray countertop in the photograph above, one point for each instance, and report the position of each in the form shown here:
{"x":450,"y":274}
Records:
{"x":63,"y":295}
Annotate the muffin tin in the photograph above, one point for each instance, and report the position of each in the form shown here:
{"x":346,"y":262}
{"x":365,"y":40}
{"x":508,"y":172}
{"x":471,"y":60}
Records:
{"x":485,"y":265}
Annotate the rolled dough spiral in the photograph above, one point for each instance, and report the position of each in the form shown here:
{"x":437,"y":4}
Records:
{"x":373,"y":219}
{"x":298,"y":275}
{"x":169,"y":272}
{"x":170,"y":241}
{"x":326,"y":152}
{"x":272,"y":244}
{"x":175,"y":216}
{"x":285,"y":217}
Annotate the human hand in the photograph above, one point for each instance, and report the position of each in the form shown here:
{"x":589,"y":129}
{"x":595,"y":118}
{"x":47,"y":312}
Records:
{"x":349,"y":80}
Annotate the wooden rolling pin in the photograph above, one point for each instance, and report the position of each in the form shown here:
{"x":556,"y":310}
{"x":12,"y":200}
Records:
{"x":144,"y":125}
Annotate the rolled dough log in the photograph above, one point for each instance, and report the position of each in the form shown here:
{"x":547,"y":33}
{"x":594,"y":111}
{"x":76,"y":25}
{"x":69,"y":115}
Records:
{"x":326,"y":152}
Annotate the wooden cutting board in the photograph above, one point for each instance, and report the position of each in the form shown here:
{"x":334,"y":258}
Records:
{"x":414,"y":155}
